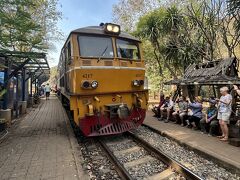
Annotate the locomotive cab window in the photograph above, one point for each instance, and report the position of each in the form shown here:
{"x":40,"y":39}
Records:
{"x":68,"y":53}
{"x":93,"y":46}
{"x":127,"y":49}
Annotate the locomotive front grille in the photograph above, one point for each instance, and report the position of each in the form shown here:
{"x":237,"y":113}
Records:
{"x":111,"y":110}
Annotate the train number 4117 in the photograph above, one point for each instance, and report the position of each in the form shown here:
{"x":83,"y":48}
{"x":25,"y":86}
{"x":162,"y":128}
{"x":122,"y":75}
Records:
{"x":87,"y":75}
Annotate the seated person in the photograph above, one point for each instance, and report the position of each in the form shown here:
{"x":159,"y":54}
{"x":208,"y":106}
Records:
{"x":166,"y":107}
{"x":196,"y":108}
{"x":180,"y":110}
{"x":156,"y":109}
{"x":209,"y":119}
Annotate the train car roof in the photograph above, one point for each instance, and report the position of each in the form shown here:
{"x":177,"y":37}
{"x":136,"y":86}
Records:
{"x":99,"y":30}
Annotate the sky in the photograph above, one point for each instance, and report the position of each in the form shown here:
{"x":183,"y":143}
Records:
{"x":80,"y":13}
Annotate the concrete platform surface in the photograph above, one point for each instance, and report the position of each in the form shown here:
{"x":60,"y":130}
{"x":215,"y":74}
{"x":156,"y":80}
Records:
{"x":41,"y":146}
{"x":221,"y":152}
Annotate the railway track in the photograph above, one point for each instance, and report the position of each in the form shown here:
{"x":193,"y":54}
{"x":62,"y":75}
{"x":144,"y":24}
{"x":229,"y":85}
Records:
{"x":135,"y":158}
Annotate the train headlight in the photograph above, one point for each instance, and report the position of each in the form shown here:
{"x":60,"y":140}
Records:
{"x":141,"y":82}
{"x":136,"y":83}
{"x":109,"y":27}
{"x":116,"y":29}
{"x":94,"y":84}
{"x":85,"y":84}
{"x":112,"y":28}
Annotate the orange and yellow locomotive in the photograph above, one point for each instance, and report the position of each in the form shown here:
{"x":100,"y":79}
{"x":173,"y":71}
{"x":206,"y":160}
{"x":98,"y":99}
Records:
{"x":101,"y":79}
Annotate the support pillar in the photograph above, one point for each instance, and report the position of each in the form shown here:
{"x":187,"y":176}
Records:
{"x":30,"y":102}
{"x":35,"y":86}
{"x":37,"y":90}
{"x":17,"y":108}
{"x":23,"y":106}
{"x":184,"y":90}
{"x":23,"y":85}
{"x":31,"y":85}
{"x":5,"y":96}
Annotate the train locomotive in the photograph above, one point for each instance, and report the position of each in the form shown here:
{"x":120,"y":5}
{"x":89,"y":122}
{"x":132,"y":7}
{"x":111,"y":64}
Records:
{"x":101,"y":78}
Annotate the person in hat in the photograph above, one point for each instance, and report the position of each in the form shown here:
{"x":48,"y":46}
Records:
{"x":196,"y":108}
{"x":209,"y":119}
{"x":47,"y":91}
{"x":224,"y":112}
{"x":180,"y":110}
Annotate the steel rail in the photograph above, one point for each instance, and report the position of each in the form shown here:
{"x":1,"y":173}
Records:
{"x":187,"y":173}
{"x":122,"y":172}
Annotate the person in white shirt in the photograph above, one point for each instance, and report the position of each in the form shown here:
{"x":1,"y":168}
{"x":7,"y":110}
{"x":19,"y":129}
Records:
{"x":167,"y":106}
{"x":47,"y":91}
{"x":224,"y":112}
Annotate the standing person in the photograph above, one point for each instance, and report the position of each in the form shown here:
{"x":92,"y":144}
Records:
{"x":224,"y":112}
{"x":196,"y":108}
{"x":166,"y":107}
{"x":182,"y":109}
{"x":209,"y":119}
{"x":47,"y":91}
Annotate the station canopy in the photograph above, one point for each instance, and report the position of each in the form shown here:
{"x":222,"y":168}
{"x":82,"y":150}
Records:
{"x":34,"y":63}
{"x":222,"y":71}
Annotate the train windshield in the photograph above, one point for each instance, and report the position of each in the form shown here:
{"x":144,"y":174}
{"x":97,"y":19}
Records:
{"x":93,"y":46}
{"x":127,"y":49}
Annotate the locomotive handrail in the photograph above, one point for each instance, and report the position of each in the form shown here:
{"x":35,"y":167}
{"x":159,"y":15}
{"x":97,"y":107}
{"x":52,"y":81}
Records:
{"x":104,"y":93}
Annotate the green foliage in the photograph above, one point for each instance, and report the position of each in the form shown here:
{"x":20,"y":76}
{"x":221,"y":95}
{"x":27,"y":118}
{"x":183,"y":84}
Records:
{"x":27,"y":25}
{"x":127,"y":12}
{"x":176,"y":33}
{"x":164,"y":29}
{"x":53,"y":76}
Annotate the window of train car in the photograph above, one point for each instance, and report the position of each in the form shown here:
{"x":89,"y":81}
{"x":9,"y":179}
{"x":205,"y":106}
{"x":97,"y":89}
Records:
{"x":127,"y":49}
{"x":95,"y":46}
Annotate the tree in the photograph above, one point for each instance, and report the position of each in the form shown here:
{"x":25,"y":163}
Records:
{"x":215,"y":25}
{"x":127,"y":12}
{"x":28,"y":25}
{"x":207,"y":19}
{"x":166,"y":30}
{"x":156,"y":74}
{"x":151,"y":27}
{"x":234,"y":9}
{"x":177,"y":33}
{"x":230,"y":36}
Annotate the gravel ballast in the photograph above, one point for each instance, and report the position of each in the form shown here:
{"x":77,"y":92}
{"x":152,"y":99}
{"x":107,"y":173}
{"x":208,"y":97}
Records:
{"x":199,"y":165}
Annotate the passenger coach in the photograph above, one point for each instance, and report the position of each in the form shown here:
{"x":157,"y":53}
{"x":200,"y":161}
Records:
{"x":101,"y":78}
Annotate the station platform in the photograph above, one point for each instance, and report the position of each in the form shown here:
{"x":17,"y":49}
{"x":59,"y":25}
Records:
{"x":41,"y":145}
{"x":210,"y":147}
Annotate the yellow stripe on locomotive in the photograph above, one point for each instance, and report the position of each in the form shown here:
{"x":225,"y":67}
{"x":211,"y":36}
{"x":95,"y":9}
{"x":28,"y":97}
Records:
{"x":101,"y":78}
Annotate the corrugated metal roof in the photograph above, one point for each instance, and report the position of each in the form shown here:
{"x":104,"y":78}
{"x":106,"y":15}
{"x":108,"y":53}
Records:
{"x":213,"y":72}
{"x":211,"y":68}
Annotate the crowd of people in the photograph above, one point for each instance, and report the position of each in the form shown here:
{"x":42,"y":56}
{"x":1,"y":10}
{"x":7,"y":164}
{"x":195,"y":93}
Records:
{"x":190,"y":113}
